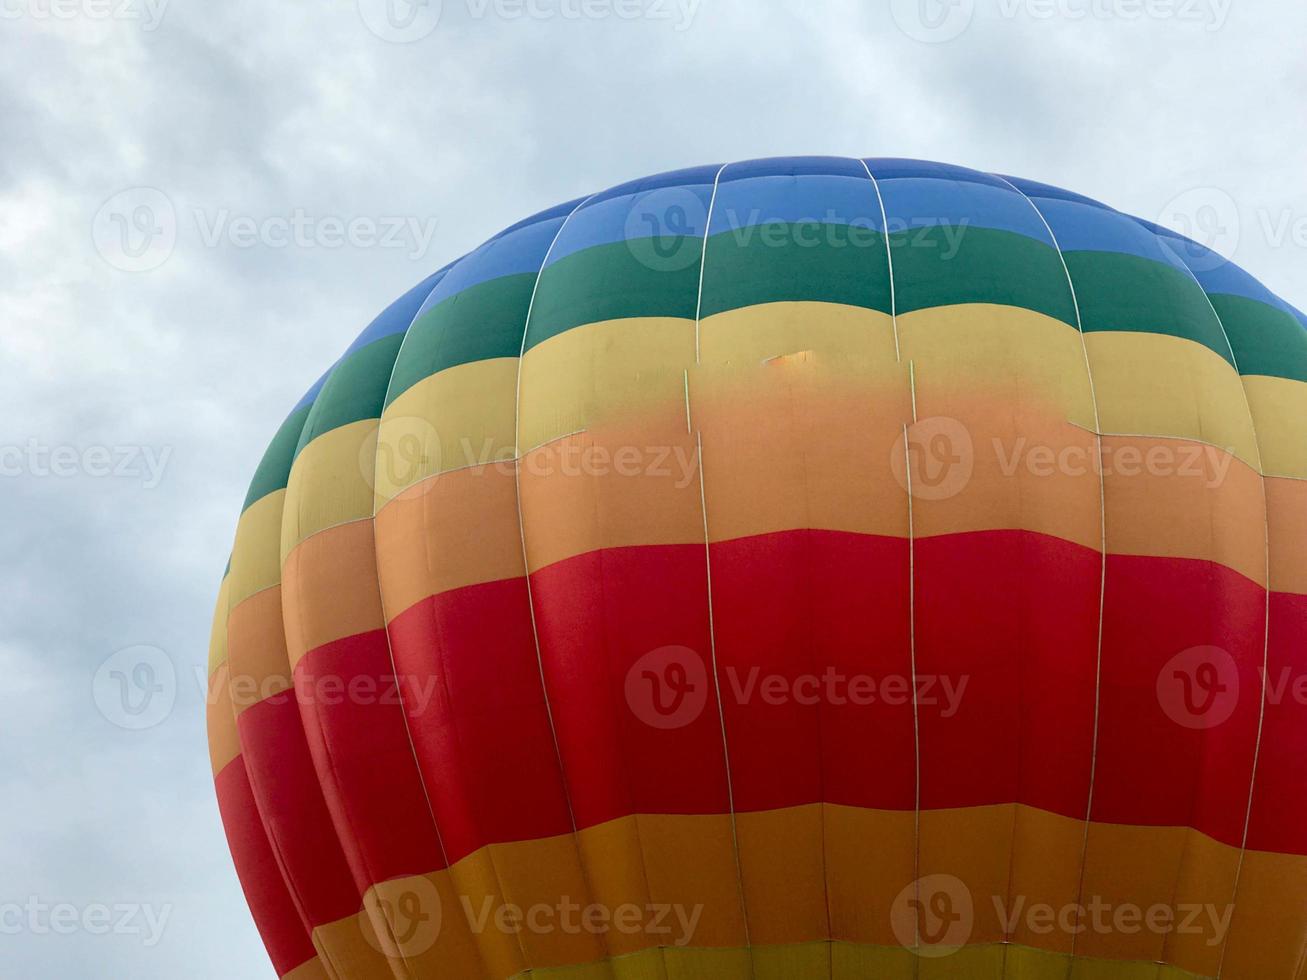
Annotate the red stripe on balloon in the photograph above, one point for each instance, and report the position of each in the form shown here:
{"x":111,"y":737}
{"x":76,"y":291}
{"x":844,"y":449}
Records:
{"x":626,"y":647}
{"x":1183,"y":643}
{"x":815,"y":661}
{"x":275,"y":915}
{"x":295,"y":817}
{"x":470,"y":683}
{"x":1006,"y":634}
{"x":354,"y":722}
{"x":1280,"y":800}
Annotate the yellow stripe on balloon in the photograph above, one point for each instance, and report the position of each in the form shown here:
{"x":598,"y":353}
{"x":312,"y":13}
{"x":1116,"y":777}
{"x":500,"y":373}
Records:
{"x":752,"y":334}
{"x":845,"y":961}
{"x":600,"y":373}
{"x":331,"y":483}
{"x":1268,"y":935}
{"x":350,"y":948}
{"x":1157,"y":385}
{"x":256,"y":557}
{"x":218,"y":631}
{"x":997,"y":351}
{"x":1279,"y":408}
{"x":415,"y":920}
{"x":460,"y":417}
{"x":310,"y":970}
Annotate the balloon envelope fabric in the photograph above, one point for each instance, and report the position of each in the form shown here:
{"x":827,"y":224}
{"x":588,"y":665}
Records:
{"x":797,"y":568}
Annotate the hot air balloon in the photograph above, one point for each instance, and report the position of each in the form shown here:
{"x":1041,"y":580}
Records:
{"x":798,"y":568}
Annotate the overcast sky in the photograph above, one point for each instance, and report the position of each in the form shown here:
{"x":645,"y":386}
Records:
{"x":233,"y":119}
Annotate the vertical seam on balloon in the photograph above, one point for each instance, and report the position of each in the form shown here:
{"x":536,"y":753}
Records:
{"x":912,"y":388}
{"x":912,"y":566}
{"x":916,"y":708}
{"x":1266,"y":616}
{"x":912,"y":655}
{"x":526,"y":573}
{"x":912,"y":572}
{"x":1298,"y":971}
{"x":707,"y":553}
{"x":703,"y":266}
{"x":1266,"y":613}
{"x":821,"y":737}
{"x":329,"y":965}
{"x":721,"y":710}
{"x":399,"y":688}
{"x":521,"y":523}
{"x":351,"y":825}
{"x":376,"y":550}
{"x":889,"y":258}
{"x":1102,"y":579}
{"x":275,"y":844}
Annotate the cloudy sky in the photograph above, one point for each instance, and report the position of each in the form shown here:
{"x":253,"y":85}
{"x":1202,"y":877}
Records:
{"x":147,"y":362}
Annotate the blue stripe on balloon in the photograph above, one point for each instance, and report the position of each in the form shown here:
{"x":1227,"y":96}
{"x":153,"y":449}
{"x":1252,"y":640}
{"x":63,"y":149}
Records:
{"x":515,"y":251}
{"x":915,"y":202}
{"x":396,"y":317}
{"x":846,"y":200}
{"x":669,"y":209}
{"x":1090,"y":228}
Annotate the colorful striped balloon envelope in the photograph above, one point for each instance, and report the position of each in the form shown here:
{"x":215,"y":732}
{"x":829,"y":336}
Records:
{"x":800,"y":568}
